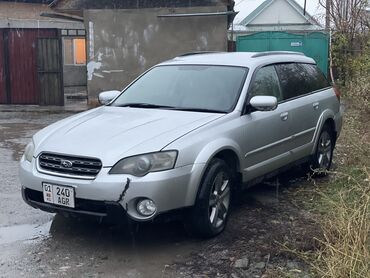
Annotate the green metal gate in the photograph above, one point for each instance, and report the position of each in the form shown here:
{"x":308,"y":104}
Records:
{"x":315,"y":44}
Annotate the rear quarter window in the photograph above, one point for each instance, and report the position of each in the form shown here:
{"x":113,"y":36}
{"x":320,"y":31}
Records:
{"x":315,"y":77}
{"x":300,"y":79}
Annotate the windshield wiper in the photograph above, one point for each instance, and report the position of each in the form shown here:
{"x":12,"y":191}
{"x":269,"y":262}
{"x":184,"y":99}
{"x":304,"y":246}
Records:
{"x":145,"y":105}
{"x":199,"y":110}
{"x":149,"y":105}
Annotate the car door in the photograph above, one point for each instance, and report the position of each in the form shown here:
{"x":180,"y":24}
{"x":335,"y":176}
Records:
{"x":265,"y":133}
{"x":299,"y":82}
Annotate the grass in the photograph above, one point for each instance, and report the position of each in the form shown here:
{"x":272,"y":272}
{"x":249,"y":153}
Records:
{"x":345,"y":246}
{"x":343,"y":202}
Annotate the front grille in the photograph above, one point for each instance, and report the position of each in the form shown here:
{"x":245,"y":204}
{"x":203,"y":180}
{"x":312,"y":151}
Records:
{"x":69,"y":165}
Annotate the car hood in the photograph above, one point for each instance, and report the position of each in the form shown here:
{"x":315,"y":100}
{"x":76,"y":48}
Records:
{"x":112,"y":133}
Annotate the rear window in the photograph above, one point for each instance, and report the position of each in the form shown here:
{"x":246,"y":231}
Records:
{"x":300,"y":79}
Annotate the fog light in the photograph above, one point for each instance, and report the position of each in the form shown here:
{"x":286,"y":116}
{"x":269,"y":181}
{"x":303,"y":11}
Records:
{"x":146,"y":207}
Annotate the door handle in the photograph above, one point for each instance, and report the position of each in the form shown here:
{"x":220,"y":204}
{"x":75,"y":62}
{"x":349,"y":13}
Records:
{"x":316,"y":105}
{"x":284,"y":116}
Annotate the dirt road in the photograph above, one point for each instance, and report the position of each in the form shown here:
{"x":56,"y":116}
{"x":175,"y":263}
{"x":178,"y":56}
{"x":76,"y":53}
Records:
{"x":37,"y":244}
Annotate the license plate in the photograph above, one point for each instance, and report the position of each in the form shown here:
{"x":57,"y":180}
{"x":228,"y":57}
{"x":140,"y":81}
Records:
{"x":59,"y":195}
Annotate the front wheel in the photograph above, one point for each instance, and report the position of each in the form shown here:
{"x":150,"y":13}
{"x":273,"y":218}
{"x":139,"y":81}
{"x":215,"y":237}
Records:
{"x":212,"y":207}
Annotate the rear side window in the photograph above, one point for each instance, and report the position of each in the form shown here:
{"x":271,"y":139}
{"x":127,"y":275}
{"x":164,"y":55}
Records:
{"x":266,"y":83}
{"x":300,"y":79}
{"x":292,"y":80}
{"x":315,"y":77}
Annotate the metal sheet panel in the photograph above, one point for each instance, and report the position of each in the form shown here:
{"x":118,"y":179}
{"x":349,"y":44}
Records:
{"x":312,"y":44}
{"x":50,"y":71}
{"x":23,"y":64}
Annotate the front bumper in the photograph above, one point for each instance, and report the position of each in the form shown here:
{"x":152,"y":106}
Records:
{"x":111,"y":210}
{"x":170,"y":190}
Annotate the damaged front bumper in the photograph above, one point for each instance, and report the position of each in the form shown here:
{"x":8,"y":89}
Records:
{"x":169,"y":190}
{"x":100,"y":209}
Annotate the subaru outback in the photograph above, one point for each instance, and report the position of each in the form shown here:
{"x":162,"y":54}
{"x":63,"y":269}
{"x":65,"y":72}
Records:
{"x":186,"y":134}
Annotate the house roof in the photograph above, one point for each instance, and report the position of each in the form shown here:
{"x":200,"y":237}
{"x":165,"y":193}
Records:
{"x":267,"y":3}
{"x":22,"y":11}
{"x":133,"y":4}
{"x":17,"y":14}
{"x":29,"y":1}
{"x":76,"y":7}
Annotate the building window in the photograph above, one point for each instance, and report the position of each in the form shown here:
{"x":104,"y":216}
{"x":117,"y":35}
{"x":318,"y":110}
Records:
{"x":75,"y":51}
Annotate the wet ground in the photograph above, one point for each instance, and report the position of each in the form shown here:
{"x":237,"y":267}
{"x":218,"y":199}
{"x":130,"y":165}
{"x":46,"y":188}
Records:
{"x":38,"y":244}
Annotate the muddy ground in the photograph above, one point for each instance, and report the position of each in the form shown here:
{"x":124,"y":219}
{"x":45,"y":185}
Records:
{"x":265,"y":221}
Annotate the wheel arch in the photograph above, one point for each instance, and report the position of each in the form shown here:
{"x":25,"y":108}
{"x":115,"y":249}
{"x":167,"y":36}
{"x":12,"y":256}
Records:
{"x":232,"y":160}
{"x":326,"y":119}
{"x":224,"y":149}
{"x":331,"y":124}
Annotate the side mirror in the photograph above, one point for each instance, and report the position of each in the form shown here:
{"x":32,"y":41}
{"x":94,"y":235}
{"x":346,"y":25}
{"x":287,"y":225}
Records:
{"x":263,"y":103}
{"x":107,"y":96}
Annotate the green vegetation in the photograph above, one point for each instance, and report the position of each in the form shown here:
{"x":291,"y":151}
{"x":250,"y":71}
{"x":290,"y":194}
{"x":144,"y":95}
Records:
{"x":345,"y":246}
{"x":343,"y":199}
{"x":340,"y":202}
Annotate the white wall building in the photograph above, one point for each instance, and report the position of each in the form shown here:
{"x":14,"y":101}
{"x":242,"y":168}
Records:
{"x":277,"y":15}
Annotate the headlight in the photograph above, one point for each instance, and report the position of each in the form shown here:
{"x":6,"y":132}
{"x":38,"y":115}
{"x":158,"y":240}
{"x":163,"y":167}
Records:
{"x":141,"y":165}
{"x":30,"y":149}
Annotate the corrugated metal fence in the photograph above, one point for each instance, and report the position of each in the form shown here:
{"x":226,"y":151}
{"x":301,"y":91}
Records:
{"x":313,"y":44}
{"x":19,"y":73}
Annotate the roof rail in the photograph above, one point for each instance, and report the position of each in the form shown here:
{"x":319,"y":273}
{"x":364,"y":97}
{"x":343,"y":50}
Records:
{"x":268,"y":53}
{"x":197,"y":53}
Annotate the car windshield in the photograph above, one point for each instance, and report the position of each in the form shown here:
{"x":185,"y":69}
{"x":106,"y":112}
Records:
{"x":186,"y":87}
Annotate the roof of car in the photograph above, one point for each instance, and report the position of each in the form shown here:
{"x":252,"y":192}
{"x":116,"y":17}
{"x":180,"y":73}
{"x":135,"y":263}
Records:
{"x":242,"y":59}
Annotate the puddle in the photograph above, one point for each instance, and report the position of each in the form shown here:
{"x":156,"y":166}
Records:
{"x":16,"y":233}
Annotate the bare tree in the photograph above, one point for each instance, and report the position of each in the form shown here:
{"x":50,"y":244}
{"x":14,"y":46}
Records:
{"x":346,"y":16}
{"x":349,"y":21}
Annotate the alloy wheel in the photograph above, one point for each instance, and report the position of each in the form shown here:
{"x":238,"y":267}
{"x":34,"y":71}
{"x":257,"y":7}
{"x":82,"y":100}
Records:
{"x":219,"y":200}
{"x":324,"y":151}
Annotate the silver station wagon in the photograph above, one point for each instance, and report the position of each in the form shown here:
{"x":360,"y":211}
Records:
{"x":187,"y":134}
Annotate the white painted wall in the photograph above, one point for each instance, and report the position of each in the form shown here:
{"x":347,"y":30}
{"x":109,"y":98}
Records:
{"x":245,"y":7}
{"x":279,"y":12}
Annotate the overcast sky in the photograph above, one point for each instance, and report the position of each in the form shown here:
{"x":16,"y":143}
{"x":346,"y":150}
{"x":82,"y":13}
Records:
{"x":245,"y":7}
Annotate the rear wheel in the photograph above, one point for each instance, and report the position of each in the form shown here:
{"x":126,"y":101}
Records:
{"x":212,"y":207}
{"x":322,"y":159}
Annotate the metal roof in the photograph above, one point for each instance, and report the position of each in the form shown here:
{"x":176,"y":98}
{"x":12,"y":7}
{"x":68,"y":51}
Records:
{"x":135,"y":4}
{"x":29,"y":1}
{"x":267,"y":3}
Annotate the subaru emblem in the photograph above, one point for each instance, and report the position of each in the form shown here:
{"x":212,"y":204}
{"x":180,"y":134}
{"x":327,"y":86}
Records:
{"x":66,"y":163}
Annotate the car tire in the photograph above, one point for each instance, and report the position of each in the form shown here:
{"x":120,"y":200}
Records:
{"x":209,"y":216}
{"x":321,"y":161}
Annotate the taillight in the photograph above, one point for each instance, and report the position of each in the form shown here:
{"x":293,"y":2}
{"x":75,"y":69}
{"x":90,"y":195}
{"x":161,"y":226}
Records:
{"x":337,"y":92}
